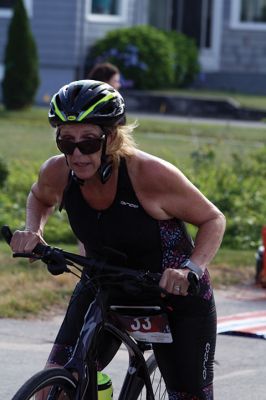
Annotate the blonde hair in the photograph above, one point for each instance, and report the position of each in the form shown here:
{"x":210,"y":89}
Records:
{"x":123,"y":143}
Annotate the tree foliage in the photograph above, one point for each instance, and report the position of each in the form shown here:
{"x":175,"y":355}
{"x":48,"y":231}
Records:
{"x":21,"y":78}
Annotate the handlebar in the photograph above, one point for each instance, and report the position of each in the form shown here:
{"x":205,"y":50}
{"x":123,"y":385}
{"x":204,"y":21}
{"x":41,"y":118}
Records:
{"x":57,"y":260}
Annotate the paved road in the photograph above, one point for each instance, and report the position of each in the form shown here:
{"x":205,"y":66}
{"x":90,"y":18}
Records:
{"x":197,"y":120}
{"x":240,"y":369}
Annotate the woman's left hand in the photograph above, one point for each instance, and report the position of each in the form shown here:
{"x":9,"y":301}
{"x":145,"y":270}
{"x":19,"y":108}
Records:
{"x":175,"y":281}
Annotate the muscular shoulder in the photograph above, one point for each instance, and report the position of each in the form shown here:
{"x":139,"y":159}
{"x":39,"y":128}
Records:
{"x":52,"y":180}
{"x":157,"y":183}
{"x":165,"y":192}
{"x":154,"y":174}
{"x":55,"y":168}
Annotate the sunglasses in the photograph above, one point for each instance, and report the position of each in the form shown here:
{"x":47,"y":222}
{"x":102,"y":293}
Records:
{"x":88,"y":146}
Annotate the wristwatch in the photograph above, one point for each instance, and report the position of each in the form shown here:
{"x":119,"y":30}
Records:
{"x":193,"y":267}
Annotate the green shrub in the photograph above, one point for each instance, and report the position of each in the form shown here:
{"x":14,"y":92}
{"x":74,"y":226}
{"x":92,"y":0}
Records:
{"x":13,"y":204}
{"x":21,"y":78}
{"x":148,"y":57}
{"x":238,"y":190}
{"x":143,"y":54}
{"x":185,"y":58}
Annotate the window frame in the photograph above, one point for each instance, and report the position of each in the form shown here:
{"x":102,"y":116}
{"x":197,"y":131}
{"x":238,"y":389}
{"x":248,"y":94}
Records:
{"x":7,"y":12}
{"x":236,"y":23}
{"x":121,"y":17}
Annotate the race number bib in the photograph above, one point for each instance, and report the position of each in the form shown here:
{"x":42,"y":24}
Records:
{"x":150,"y":329}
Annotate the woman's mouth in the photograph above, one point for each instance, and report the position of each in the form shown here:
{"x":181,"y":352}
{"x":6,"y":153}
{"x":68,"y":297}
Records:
{"x":81,"y":164}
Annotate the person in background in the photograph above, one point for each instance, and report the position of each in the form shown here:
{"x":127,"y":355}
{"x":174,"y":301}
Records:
{"x":106,"y":72}
{"x":124,"y":203}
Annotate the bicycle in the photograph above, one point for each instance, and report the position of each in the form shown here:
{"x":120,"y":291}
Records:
{"x":132,"y":325}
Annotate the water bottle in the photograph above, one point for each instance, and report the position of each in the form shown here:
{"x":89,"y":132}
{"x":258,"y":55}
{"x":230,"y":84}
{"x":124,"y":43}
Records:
{"x":105,"y":388}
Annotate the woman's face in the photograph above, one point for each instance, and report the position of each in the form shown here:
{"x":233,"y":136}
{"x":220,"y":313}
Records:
{"x":84,"y":165}
{"x":115,"y":81}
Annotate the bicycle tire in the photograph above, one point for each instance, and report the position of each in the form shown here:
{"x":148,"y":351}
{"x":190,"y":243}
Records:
{"x":158,"y":385}
{"x":59,"y":382}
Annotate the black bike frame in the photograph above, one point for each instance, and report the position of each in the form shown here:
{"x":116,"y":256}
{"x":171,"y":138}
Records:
{"x":83,"y":360}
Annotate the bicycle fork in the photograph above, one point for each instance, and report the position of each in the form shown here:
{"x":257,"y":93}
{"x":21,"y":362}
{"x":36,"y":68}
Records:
{"x":137,"y":374}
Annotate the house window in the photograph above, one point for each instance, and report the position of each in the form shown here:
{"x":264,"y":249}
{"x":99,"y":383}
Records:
{"x":106,"y":7}
{"x":249,"y":14}
{"x":7,"y":3}
{"x":6,"y":7}
{"x":253,"y":11}
{"x":106,"y":10}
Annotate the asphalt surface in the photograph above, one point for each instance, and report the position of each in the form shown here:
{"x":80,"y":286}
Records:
{"x":240,"y":368}
{"x":196,"y":120}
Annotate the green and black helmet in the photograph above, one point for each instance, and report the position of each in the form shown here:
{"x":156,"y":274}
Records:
{"x":87,"y":101}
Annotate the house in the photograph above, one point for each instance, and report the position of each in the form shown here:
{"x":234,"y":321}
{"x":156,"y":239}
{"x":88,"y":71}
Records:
{"x":230,"y":34}
{"x":231,"y":37}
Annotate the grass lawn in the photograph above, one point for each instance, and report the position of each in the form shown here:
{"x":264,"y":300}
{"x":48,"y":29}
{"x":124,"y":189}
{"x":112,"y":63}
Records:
{"x":26,"y":137}
{"x":28,"y":289}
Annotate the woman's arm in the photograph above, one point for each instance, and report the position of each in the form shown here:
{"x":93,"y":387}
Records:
{"x":44,"y":195}
{"x":166,"y":193}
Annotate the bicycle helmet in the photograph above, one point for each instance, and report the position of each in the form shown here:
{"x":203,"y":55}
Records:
{"x":87,"y":101}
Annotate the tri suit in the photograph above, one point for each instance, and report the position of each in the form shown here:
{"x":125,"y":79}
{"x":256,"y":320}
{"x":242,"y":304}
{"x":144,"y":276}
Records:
{"x":126,"y":235}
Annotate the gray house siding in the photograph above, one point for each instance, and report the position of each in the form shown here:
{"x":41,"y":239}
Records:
{"x":242,"y":59}
{"x":64,"y":34}
{"x":54,"y":25}
{"x":242,"y":50}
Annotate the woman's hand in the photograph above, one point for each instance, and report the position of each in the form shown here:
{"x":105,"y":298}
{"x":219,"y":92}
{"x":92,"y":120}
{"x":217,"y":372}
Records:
{"x":25,"y":241}
{"x":175,"y":281}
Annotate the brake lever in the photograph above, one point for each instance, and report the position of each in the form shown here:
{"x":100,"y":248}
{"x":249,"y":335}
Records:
{"x":26,"y":255}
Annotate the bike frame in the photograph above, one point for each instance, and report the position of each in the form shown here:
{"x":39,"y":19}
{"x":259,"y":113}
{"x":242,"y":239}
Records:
{"x":83,"y":360}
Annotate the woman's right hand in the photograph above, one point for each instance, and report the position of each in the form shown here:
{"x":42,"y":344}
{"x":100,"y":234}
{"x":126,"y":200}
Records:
{"x":25,"y":241}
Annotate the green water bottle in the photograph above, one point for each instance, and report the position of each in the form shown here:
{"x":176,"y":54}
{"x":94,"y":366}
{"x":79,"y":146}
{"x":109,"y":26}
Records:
{"x":105,"y":388}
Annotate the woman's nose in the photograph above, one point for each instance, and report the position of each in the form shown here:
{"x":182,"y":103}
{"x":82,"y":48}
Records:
{"x":77,"y":151}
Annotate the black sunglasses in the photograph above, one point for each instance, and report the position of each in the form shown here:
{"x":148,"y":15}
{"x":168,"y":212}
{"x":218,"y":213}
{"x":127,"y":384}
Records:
{"x":88,"y":146}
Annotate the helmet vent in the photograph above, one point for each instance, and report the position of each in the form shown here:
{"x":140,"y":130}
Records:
{"x":74,"y":94}
{"x":92,"y":102}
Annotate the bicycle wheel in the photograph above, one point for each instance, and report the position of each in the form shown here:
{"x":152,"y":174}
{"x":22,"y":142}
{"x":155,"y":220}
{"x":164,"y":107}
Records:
{"x":158,"y":385}
{"x":50,"y":384}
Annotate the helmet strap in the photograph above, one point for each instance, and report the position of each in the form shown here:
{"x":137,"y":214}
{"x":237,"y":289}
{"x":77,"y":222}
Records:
{"x":106,"y":168}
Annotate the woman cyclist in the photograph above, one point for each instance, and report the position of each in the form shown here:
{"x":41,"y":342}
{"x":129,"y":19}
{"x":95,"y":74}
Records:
{"x":128,"y":206}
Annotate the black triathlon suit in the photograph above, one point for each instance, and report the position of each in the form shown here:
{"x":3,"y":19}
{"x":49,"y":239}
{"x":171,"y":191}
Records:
{"x":125,"y":234}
